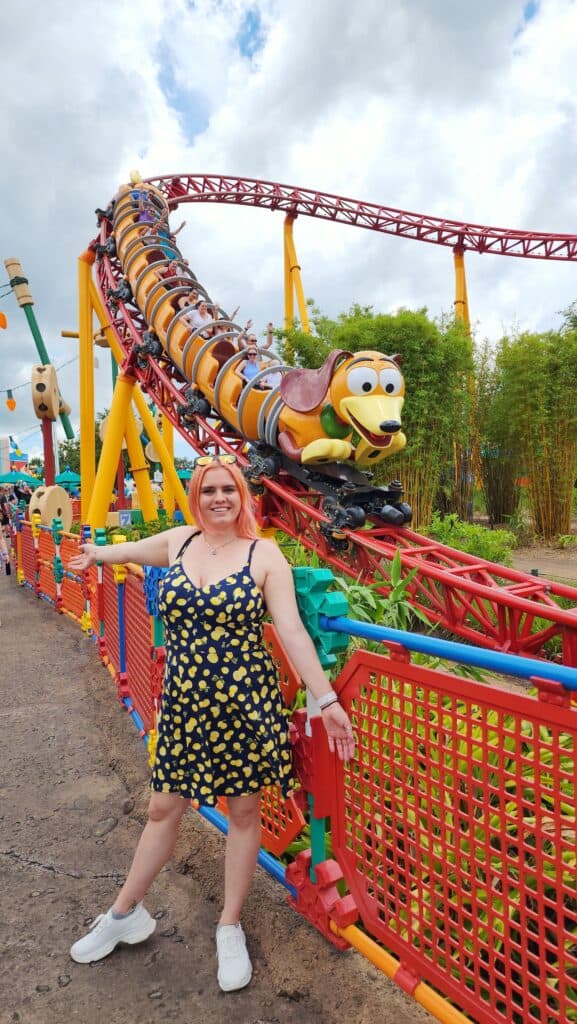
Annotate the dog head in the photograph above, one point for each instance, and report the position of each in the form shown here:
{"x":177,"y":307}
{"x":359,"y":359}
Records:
{"x":367,"y":391}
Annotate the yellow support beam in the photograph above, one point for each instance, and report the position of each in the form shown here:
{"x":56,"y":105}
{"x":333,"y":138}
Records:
{"x":139,"y":468}
{"x":167,"y":463}
{"x":292,"y":280}
{"x":86,"y":373}
{"x":168,"y":493}
{"x":111,"y":449}
{"x":461,"y":300}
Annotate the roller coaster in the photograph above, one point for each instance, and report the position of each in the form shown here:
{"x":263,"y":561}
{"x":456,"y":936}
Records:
{"x":307,"y":440}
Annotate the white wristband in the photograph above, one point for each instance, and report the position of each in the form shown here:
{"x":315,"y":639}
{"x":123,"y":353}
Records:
{"x":327,"y":698}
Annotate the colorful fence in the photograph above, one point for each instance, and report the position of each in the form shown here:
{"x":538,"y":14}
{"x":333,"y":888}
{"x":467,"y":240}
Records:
{"x":452,"y":833}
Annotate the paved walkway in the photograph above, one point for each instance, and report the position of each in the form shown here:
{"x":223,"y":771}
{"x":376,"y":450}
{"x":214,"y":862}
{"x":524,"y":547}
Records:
{"x":73,"y":797}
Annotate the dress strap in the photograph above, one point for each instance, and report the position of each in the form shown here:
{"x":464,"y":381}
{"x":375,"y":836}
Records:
{"x":250,"y":551}
{"x":186,"y":543}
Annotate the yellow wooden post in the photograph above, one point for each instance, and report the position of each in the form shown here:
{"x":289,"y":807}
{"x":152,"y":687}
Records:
{"x":111,"y":450}
{"x":461,"y":300}
{"x":168,"y":493}
{"x":294,"y":282}
{"x":139,"y":467}
{"x":86,"y":372}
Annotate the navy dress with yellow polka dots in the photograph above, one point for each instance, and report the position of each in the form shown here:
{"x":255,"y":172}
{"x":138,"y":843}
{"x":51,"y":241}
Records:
{"x":223,"y":727}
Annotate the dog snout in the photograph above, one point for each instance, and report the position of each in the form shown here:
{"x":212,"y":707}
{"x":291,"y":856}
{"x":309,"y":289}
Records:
{"x":390,"y":426}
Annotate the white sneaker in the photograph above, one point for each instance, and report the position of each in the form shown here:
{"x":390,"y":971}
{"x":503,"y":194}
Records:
{"x":234,"y":966}
{"x":107,"y":931}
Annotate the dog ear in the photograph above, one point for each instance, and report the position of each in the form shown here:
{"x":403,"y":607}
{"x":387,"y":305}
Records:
{"x":303,"y":390}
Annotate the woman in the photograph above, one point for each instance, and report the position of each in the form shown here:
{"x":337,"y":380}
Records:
{"x":248,"y":368}
{"x":199,"y":316}
{"x":223,"y":727}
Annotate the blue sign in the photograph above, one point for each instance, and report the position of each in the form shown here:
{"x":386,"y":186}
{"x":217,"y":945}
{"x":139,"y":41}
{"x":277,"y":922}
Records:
{"x":125,"y":517}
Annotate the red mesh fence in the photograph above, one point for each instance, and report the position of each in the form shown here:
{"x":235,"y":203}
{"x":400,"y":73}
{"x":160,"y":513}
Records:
{"x":76,"y":506}
{"x":139,"y":664}
{"x":281,"y":820}
{"x":288,"y":678}
{"x":28,"y":554}
{"x":111,"y":627}
{"x":455,"y":830}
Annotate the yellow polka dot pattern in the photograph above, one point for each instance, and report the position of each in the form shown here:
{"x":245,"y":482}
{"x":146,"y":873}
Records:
{"x":223,"y":728}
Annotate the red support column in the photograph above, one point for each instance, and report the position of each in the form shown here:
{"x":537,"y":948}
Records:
{"x":49,"y":464}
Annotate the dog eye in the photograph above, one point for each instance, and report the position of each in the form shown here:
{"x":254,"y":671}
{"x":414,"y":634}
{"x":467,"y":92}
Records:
{"x":362,"y":380}
{"x":391,"y":381}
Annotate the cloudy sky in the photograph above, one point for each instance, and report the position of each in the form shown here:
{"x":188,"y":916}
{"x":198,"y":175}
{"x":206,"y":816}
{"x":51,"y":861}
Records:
{"x":451,"y":108}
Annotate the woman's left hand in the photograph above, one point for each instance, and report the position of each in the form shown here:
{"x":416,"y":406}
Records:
{"x":339,"y":731}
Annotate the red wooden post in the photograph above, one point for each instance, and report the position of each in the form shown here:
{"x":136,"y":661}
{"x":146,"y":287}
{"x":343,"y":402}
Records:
{"x":48,"y":441}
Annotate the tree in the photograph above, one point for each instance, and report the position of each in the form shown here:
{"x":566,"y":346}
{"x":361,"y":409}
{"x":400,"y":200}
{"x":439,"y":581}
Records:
{"x":534,"y":400}
{"x":36,"y":466}
{"x":69,"y":451}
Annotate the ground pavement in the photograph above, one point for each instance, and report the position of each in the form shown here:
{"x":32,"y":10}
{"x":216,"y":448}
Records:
{"x":72,"y":803}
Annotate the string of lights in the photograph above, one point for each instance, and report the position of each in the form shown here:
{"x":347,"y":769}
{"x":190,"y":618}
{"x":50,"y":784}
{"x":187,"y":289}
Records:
{"x":27,"y":383}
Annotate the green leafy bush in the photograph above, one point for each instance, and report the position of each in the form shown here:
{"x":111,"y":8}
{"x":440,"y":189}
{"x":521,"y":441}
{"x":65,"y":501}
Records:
{"x":491,"y":545}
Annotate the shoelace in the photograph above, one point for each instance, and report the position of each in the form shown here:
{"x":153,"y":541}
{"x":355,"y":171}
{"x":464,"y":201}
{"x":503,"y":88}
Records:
{"x":231,"y":944}
{"x":97,"y":924}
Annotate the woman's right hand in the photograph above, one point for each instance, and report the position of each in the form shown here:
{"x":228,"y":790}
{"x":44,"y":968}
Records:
{"x":88,"y":556}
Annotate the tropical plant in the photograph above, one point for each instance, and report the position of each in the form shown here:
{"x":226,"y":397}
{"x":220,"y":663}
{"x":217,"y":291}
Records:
{"x":491,"y":545}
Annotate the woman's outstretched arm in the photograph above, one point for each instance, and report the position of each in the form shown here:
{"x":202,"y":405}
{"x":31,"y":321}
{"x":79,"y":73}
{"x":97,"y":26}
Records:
{"x":149,"y":551}
{"x":281,"y":603}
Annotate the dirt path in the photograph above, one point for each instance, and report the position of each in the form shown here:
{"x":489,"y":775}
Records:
{"x":73,"y":796}
{"x":553,"y":563}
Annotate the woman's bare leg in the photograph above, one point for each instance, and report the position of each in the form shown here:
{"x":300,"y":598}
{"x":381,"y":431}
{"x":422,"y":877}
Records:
{"x":242,"y":846}
{"x":154,"y":848}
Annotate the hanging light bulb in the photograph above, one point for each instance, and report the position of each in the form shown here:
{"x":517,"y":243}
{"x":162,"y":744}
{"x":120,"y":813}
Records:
{"x":10,"y":400}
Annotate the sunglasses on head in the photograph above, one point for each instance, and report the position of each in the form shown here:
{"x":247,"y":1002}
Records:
{"x":224,"y":460}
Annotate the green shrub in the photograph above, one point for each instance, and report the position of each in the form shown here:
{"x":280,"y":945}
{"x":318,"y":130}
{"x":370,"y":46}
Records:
{"x":567,"y":540}
{"x":491,"y":545}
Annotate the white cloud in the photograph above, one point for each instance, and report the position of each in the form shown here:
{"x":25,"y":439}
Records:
{"x":457,"y":110}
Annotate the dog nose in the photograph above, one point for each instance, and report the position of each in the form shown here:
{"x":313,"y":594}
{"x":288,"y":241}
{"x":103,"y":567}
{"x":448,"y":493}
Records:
{"x":390,"y":426}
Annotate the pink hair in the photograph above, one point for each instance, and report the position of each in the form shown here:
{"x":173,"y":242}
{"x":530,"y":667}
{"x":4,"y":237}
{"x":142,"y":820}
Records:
{"x":246,"y":522}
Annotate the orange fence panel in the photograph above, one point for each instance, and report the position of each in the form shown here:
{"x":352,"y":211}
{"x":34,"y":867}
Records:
{"x":72,"y":598}
{"x":139,"y":663}
{"x":46,"y":546}
{"x":28,"y":555}
{"x":46,"y":581}
{"x":69,"y":546}
{"x":111,"y":625}
{"x":455,"y":829}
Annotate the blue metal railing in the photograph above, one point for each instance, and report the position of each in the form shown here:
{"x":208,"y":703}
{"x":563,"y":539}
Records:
{"x":492,"y":661}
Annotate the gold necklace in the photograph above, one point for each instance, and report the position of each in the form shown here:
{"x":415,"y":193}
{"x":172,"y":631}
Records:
{"x":213,"y":549}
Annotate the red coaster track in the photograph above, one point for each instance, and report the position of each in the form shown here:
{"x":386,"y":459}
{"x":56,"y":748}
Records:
{"x":480,"y":601}
{"x":269,"y":195}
